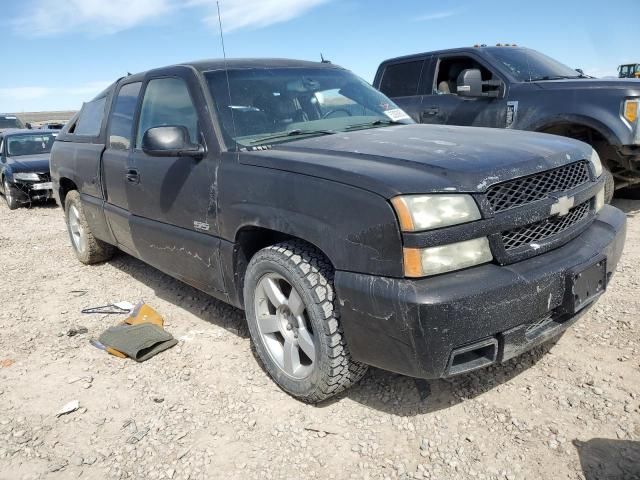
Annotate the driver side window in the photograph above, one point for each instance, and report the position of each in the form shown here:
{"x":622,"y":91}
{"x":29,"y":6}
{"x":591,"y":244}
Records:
{"x":449,"y":68}
{"x":167,"y":102}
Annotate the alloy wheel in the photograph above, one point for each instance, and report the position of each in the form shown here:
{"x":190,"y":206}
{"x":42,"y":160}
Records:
{"x":76,"y":230}
{"x":284,"y":327}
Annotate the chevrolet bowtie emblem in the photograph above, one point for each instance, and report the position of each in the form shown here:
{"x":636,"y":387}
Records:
{"x":562,"y":206}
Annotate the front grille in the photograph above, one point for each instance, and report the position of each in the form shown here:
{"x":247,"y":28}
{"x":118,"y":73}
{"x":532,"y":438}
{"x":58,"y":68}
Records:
{"x":536,"y":187}
{"x":546,"y":228}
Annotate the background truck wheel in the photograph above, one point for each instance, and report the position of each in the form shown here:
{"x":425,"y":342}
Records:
{"x":609,"y":184}
{"x":88,"y":249}
{"x":10,"y":195}
{"x":290,"y":307}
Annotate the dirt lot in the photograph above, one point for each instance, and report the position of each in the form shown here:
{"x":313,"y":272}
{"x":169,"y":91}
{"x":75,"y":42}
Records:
{"x":205,"y":409}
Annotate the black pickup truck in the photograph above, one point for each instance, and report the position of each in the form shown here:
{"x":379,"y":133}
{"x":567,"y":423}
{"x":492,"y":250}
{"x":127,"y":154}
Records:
{"x":349,"y":234}
{"x":519,"y":88}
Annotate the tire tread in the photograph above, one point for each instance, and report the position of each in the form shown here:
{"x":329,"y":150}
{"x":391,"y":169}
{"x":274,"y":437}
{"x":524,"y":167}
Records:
{"x":317,"y":274}
{"x":97,"y":250}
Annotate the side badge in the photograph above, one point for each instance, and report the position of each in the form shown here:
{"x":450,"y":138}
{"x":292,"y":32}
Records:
{"x":512,"y":113}
{"x":201,"y":226}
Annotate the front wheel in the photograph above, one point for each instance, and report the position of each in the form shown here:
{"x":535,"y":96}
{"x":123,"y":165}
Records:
{"x":10,"y":195}
{"x":609,"y":184}
{"x":87,"y":248}
{"x":293,"y":322}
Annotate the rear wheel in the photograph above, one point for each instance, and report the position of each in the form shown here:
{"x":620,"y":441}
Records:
{"x":87,"y":248}
{"x":290,"y":308}
{"x":10,"y":195}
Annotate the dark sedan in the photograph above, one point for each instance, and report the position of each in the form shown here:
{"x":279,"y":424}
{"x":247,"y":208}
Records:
{"x":24,"y":166}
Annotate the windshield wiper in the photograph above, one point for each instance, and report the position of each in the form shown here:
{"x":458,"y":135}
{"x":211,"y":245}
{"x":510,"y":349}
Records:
{"x":292,"y":133}
{"x":555,"y":77}
{"x":375,"y":123}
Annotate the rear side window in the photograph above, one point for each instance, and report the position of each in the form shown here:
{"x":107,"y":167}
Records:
{"x":401,"y":79}
{"x":121,"y":124}
{"x":167,"y":102}
{"x":91,"y":117}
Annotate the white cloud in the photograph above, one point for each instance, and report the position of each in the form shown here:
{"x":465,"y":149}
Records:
{"x":22,"y":93}
{"x":93,"y":16}
{"x":39,"y":98}
{"x":99,"y":17}
{"x":435,"y":16}
{"x":238,"y":14}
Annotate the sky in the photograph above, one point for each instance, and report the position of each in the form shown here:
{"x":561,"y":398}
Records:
{"x":57,"y":54}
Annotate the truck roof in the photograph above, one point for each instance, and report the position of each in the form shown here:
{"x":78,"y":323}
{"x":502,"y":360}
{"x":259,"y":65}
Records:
{"x":220,"y":63}
{"x":216,"y":64}
{"x":451,"y":51}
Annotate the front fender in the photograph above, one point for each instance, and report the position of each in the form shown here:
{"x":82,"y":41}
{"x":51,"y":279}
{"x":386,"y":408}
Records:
{"x":7,"y":173}
{"x":356,"y":229}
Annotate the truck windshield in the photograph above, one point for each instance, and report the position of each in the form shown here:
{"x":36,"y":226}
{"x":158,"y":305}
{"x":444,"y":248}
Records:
{"x":30,"y":144}
{"x":10,"y":122}
{"x":265,"y":106}
{"x":530,"y":66}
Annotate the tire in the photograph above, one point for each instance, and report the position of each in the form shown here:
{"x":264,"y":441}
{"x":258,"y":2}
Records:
{"x":609,"y":184}
{"x":10,"y":195}
{"x":298,"y":337}
{"x":87,"y":248}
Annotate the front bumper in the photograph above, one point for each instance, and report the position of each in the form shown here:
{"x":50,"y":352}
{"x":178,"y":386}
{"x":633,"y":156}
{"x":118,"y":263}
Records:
{"x":32,"y":191}
{"x":417,"y":327}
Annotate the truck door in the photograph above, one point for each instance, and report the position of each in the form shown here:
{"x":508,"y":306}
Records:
{"x":115,"y":161}
{"x":442,"y":105}
{"x":173,"y":199}
{"x":400,"y":82}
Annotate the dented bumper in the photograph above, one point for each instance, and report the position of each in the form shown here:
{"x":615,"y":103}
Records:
{"x":423,"y":327}
{"x":32,"y":191}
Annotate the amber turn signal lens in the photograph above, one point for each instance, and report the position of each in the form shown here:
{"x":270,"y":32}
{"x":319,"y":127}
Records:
{"x":631,"y":110}
{"x":413,"y":263}
{"x":404,"y":215}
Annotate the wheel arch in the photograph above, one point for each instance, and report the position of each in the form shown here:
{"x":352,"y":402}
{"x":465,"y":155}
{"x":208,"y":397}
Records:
{"x":65,"y":186}
{"x":249,"y":240}
{"x":592,"y":125}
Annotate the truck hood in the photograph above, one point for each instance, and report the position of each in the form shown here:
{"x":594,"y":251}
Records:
{"x":624,"y":84}
{"x":30,"y":163}
{"x":421,"y":158}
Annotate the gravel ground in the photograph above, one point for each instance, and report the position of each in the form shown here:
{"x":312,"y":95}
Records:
{"x":205,"y":409}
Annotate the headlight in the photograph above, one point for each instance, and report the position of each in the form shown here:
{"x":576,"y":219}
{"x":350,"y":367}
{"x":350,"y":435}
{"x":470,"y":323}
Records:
{"x":630,"y":110}
{"x":26,"y":177}
{"x":446,"y":258}
{"x":426,"y":212}
{"x":596,"y":163}
{"x":599,"y":200}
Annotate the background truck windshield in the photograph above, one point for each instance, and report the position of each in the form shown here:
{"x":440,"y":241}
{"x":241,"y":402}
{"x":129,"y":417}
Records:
{"x":10,"y":122}
{"x":30,"y":144}
{"x":276,"y":105}
{"x":528,"y":65}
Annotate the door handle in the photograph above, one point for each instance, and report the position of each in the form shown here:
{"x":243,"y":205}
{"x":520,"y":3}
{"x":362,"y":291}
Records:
{"x":133,"y":176}
{"x":431,"y":111}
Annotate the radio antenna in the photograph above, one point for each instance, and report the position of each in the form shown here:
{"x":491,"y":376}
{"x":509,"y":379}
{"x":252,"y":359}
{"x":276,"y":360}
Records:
{"x":226,"y":70}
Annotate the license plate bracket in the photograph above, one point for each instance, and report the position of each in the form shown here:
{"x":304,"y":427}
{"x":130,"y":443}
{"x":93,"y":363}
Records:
{"x":585,"y":283}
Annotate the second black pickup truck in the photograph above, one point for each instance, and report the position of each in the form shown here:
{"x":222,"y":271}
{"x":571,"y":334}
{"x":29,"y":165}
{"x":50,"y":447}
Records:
{"x":350,"y":235}
{"x":519,"y":88}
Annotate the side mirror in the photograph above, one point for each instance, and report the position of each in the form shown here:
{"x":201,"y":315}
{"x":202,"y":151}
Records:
{"x":28,"y":125}
{"x":580,"y":71}
{"x":170,"y":141}
{"x":470,"y":83}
